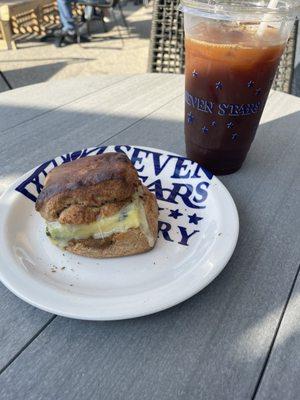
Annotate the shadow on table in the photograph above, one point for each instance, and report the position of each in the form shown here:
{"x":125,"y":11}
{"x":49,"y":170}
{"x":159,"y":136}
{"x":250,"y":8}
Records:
{"x":35,"y":74}
{"x":216,"y":342}
{"x":296,"y":83}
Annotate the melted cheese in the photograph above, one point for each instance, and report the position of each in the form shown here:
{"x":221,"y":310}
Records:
{"x":129,"y":217}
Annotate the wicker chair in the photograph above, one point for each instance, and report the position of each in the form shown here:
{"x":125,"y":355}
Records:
{"x":167,"y":45}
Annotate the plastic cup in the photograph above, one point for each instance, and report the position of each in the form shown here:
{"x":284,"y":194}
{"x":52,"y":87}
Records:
{"x":232,"y":51}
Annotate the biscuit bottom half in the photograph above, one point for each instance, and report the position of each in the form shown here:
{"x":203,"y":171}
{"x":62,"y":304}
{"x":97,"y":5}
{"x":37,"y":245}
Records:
{"x":132,"y":230}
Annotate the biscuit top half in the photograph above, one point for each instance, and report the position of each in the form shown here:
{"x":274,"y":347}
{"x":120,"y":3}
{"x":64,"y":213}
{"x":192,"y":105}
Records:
{"x":90,"y":181}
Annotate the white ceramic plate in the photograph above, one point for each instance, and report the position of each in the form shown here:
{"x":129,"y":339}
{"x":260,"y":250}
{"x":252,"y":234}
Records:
{"x":198,"y":232}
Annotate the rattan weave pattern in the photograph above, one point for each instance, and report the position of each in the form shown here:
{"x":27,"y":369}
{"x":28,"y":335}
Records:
{"x":167,"y":38}
{"x":284,"y":76}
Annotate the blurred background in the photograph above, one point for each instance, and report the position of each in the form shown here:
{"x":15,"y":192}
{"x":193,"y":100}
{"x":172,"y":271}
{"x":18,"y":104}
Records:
{"x":112,"y":38}
{"x":35,"y":58}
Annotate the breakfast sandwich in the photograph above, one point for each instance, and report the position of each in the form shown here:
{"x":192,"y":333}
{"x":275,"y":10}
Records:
{"x":96,"y":206}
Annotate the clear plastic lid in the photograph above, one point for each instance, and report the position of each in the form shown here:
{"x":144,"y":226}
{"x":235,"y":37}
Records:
{"x":243,"y":10}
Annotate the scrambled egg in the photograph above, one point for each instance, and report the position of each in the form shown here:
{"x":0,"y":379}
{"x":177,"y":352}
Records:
{"x":130,"y":216}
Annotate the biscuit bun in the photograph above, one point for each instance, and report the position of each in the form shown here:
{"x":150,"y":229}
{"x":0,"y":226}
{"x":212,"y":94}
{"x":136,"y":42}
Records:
{"x":88,"y":182}
{"x":89,"y":193}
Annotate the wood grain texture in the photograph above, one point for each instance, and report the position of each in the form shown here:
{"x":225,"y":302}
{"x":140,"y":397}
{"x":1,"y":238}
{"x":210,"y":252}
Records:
{"x":18,"y":106}
{"x":214,"y":345}
{"x":36,"y":136}
{"x":19,"y":322}
{"x":281,"y":378}
{"x":84,"y":122}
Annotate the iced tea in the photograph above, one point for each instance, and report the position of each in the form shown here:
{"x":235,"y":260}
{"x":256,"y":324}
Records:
{"x":229,"y":73}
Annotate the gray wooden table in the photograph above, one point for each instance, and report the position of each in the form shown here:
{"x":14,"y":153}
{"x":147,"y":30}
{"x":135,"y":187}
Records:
{"x":237,"y":339}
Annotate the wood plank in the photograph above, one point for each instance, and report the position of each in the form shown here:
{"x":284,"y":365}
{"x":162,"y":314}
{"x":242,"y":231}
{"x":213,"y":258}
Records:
{"x":7,"y":42}
{"x":281,"y":378}
{"x":214,"y":345}
{"x":23,"y":104}
{"x":18,"y":7}
{"x":19,"y":321}
{"x":82,"y":123}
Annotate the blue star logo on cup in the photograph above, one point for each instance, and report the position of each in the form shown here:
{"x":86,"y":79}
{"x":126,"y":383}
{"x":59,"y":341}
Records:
{"x":194,"y":219}
{"x":230,"y":125}
{"x":214,"y":123}
{"x":234,"y":136}
{"x":205,"y":130}
{"x":250,"y":84}
{"x":190,"y":118}
{"x":219,"y":85}
{"x":258,"y":92}
{"x":195,"y":74}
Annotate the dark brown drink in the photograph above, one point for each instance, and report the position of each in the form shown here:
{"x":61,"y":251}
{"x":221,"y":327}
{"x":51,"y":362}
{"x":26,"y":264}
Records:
{"x":228,"y":78}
